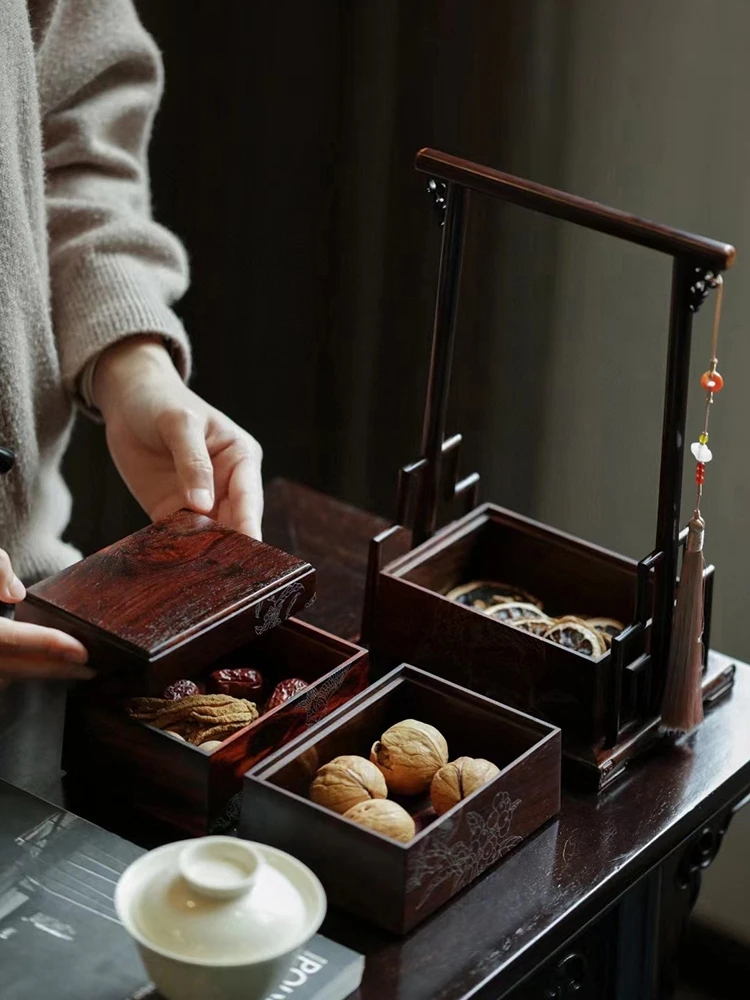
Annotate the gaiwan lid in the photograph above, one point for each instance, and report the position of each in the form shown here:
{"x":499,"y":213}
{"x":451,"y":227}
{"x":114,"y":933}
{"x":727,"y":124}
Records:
{"x":220,"y":901}
{"x":181,"y":591}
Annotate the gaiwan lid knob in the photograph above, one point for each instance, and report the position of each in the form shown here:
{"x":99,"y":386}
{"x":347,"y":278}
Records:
{"x":218,"y":900}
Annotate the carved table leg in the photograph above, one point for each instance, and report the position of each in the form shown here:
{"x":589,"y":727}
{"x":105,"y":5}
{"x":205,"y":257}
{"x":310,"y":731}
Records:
{"x":682,"y":875}
{"x":583,"y":970}
{"x":630,"y":952}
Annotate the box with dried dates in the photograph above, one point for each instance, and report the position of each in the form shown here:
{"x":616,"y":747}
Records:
{"x":202,"y":671}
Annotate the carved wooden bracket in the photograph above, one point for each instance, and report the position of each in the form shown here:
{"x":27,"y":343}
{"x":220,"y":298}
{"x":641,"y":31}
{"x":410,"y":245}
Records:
{"x":702,"y":283}
{"x":568,"y":978}
{"x":439,"y":192}
{"x":699,"y":855}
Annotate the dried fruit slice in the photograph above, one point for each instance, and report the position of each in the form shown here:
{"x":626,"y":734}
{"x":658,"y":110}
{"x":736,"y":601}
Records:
{"x":575,"y":619}
{"x":606,"y":628}
{"x":537,"y":626}
{"x":574,"y":634}
{"x":483,"y":594}
{"x":513,"y":611}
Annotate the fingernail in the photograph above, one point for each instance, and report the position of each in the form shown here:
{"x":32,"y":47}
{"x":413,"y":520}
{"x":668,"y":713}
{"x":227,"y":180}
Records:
{"x":201,"y":499}
{"x":16,"y":589}
{"x":83,"y":674}
{"x":74,"y":656}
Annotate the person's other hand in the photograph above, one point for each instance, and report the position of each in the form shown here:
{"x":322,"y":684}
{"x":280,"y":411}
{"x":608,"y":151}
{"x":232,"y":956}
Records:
{"x":31,"y":650}
{"x":171,"y":448}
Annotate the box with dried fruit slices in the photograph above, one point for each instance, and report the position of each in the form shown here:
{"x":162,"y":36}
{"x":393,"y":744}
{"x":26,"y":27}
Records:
{"x":529,"y":616}
{"x":202,"y":671}
{"x":405,"y":795}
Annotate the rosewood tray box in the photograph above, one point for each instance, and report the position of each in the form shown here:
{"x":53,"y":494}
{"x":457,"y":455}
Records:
{"x":608,"y":703}
{"x":179,"y":599}
{"x":392,"y":884}
{"x":504,"y":662}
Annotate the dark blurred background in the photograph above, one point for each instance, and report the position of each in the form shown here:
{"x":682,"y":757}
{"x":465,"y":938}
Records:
{"x":283,"y":156}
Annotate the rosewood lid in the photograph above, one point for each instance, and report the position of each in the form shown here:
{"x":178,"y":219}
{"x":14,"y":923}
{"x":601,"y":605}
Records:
{"x":175,"y":595}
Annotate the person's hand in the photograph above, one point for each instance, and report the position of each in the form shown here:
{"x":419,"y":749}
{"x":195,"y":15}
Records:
{"x":171,"y":448}
{"x":32,"y":650}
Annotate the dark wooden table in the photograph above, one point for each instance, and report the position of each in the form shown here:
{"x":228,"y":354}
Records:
{"x":592,"y":907}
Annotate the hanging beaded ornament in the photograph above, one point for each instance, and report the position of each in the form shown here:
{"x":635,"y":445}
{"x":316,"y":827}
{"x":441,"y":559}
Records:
{"x":713,"y":383}
{"x":682,"y":705}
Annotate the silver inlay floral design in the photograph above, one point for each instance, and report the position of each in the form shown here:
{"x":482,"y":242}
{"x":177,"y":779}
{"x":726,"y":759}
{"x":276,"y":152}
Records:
{"x":278,"y":608}
{"x":226,"y":822}
{"x":317,"y":700}
{"x":459,"y":861}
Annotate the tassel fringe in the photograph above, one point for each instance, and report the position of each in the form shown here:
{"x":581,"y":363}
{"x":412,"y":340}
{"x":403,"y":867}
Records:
{"x":682,"y":705}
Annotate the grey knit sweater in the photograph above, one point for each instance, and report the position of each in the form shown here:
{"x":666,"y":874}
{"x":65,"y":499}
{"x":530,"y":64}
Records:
{"x":82,"y":264}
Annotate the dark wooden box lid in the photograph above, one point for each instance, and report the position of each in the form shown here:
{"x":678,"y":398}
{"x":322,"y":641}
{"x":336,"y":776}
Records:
{"x":171,"y":592}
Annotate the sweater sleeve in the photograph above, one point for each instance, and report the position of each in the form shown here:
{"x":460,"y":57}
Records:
{"x":114,"y":272}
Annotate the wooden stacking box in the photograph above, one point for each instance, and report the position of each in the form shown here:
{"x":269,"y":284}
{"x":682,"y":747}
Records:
{"x":392,"y":884}
{"x":416,"y":622}
{"x":179,"y":599}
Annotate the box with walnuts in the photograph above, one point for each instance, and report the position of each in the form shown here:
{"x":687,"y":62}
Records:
{"x":405,"y":795}
{"x":201,"y":671}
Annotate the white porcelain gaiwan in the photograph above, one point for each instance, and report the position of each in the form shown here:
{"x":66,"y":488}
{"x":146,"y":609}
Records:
{"x":217,"y":917}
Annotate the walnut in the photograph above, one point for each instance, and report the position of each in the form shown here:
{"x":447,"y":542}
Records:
{"x":346,"y":781}
{"x":385,"y":817}
{"x":409,"y":754}
{"x":458,"y":779}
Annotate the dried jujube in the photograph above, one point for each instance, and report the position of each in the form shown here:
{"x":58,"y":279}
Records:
{"x":181,"y":689}
{"x":240,"y":682}
{"x":284,"y":690}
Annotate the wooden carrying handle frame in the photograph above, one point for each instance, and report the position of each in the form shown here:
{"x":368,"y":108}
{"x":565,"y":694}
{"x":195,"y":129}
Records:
{"x":431,"y":480}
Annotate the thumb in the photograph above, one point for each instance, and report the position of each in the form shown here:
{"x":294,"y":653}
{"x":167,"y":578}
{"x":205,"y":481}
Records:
{"x":184,"y":434}
{"x":11,"y":588}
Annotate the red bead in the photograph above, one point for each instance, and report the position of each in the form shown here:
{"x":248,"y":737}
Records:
{"x":712,"y":381}
{"x":700,"y":473}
